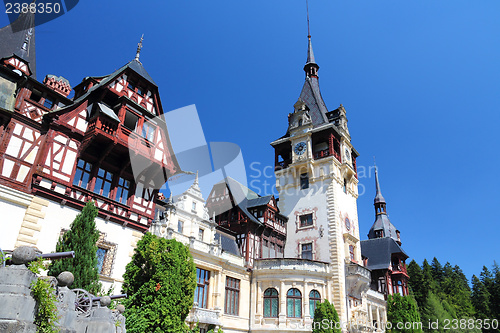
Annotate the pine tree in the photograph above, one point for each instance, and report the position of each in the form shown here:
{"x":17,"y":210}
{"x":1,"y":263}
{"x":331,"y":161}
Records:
{"x":81,"y":238}
{"x":160,"y":282}
{"x":418,"y":288}
{"x":480,"y":298}
{"x":326,"y":319}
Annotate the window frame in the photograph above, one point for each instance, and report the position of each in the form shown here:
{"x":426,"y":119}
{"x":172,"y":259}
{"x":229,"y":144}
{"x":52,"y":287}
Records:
{"x":352,"y":252}
{"x":271,"y":296}
{"x":294,"y":303}
{"x":104,"y":180}
{"x":304,"y":181}
{"x":302,"y":245}
{"x":203,"y":284}
{"x":81,"y":171}
{"x":314,"y":299}
{"x":101,"y":266}
{"x":232,"y":296}
{"x":120,"y":189}
{"x":150,"y":129}
{"x":310,"y":221}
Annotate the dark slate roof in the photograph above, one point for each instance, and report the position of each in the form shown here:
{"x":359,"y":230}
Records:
{"x":228,"y":243}
{"x":382,"y":222}
{"x":311,"y":95}
{"x":244,"y":197}
{"x":378,"y":196}
{"x":137,"y":67}
{"x":134,"y":65}
{"x":12,"y":38}
{"x":259,"y":201}
{"x":310,"y":53}
{"x":379,"y":251}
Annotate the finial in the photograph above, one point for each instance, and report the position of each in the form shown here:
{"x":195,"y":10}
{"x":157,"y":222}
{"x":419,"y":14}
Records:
{"x":196,"y":178}
{"x":139,"y":47}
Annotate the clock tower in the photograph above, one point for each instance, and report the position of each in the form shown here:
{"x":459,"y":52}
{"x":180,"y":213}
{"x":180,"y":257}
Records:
{"x":315,"y":168}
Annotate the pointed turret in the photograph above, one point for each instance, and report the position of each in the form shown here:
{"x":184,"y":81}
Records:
{"x":310,"y":94}
{"x":382,"y":227}
{"x":19,"y":38}
{"x":311,"y":67}
{"x":379,"y":200}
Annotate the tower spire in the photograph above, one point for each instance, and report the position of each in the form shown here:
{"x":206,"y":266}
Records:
{"x":311,"y":68}
{"x":379,"y":200}
{"x":139,"y":47}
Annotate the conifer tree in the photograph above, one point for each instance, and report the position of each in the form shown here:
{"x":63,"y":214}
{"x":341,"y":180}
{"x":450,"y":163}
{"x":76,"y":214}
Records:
{"x":480,"y":298}
{"x":160,"y":282}
{"x":403,"y":310}
{"x":82,"y":238}
{"x":418,"y":288}
{"x":326,"y":318}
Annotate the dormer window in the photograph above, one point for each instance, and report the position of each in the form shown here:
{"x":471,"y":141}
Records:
{"x":300,"y":122}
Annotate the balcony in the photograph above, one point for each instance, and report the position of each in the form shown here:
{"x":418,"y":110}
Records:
{"x":102,"y":125}
{"x":292,"y":264}
{"x":203,"y":316}
{"x":325,"y":153}
{"x":358,"y":279}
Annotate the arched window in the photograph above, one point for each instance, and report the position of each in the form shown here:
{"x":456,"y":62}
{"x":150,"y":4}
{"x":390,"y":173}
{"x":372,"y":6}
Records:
{"x":314,"y":299}
{"x":294,"y":303}
{"x":271,"y":303}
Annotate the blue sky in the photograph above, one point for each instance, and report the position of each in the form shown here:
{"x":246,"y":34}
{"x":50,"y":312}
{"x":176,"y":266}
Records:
{"x":419,"y":81}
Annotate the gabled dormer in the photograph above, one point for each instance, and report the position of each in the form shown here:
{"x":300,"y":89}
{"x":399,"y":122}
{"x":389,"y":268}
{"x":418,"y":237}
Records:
{"x":16,"y":63}
{"x":110,"y":145}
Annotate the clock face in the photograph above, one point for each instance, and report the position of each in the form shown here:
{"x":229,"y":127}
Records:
{"x":347,"y":224}
{"x":300,"y":148}
{"x":347,"y":154}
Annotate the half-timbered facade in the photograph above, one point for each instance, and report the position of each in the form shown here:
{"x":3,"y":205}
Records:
{"x":256,"y":222}
{"x":108,"y":143}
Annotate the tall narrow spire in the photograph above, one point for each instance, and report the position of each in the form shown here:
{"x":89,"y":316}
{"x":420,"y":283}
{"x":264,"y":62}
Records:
{"x":139,"y":47}
{"x":379,"y":201}
{"x":311,"y":68}
{"x":19,"y":38}
{"x":378,"y":196}
{"x":382,"y":227}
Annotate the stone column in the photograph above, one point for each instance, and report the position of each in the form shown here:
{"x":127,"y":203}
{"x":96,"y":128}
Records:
{"x":307,"y":315}
{"x":370,"y":315}
{"x":378,"y":319}
{"x":218,"y":286}
{"x":282,"y":310}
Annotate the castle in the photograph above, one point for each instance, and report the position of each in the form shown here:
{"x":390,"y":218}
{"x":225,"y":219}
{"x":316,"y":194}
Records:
{"x":263,"y":263}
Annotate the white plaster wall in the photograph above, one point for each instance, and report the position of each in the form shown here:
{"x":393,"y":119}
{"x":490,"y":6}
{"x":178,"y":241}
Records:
{"x":312,"y":199}
{"x":10,"y":223}
{"x":60,"y":217}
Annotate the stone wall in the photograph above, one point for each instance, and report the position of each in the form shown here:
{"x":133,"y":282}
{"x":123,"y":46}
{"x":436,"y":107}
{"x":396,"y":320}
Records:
{"x":78,"y":311}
